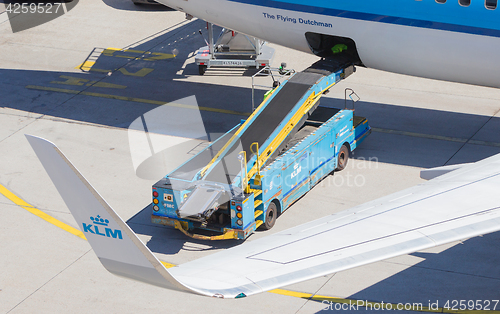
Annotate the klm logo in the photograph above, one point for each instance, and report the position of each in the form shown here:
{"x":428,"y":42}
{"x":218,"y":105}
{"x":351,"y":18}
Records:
{"x":99,"y":222}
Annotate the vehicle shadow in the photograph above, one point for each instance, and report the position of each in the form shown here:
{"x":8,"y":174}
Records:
{"x":169,"y":241}
{"x":115,"y":87}
{"x":423,"y":138}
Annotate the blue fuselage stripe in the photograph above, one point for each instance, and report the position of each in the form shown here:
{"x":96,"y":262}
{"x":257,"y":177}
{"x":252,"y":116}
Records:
{"x":413,"y":22}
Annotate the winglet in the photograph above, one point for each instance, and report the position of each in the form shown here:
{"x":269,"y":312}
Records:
{"x":115,"y":244}
{"x":301,"y":253}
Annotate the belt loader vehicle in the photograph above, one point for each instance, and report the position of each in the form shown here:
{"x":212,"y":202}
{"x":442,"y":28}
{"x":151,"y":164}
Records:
{"x":249,"y":176}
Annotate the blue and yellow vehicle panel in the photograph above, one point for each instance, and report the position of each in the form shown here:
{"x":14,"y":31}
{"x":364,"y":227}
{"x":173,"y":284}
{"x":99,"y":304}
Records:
{"x":295,"y":172}
{"x":283,"y":163}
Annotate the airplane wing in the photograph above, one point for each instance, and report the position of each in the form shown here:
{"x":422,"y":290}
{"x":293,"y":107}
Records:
{"x":432,"y":173}
{"x":457,"y":205}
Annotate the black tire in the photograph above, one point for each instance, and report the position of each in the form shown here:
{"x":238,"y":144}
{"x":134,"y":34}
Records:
{"x":202,"y":69}
{"x":342,"y":158}
{"x":271,"y":214}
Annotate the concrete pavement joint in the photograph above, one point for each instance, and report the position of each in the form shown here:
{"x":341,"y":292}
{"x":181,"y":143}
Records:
{"x":43,"y":209}
{"x":23,"y":127}
{"x":426,"y":91}
{"x":62,"y":103}
{"x":308,"y":296}
{"x":437,"y":137}
{"x":421,"y":135}
{"x":35,"y":211}
{"x":317,"y":290}
{"x":133,"y":99}
{"x":41,"y":46}
{"x":470,"y":139}
{"x":36,"y":290}
{"x":179,"y":26}
{"x":50,"y":118}
{"x":183,"y":23}
{"x":446,"y":271}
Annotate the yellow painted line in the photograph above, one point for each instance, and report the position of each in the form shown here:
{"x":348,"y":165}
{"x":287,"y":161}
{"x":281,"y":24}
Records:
{"x":484,"y":143}
{"x":110,"y":51}
{"x":138,"y":55}
{"x":20,"y":202}
{"x":70,"y":80}
{"x":377,"y":305}
{"x":436,"y":137}
{"x":167,"y":265}
{"x":148,"y":55}
{"x":106,"y":85}
{"x":76,"y":81}
{"x":100,"y":70}
{"x":53,"y":89}
{"x":292,"y":293}
{"x":86,"y":66}
{"x":133,"y":99}
{"x":141,"y":73}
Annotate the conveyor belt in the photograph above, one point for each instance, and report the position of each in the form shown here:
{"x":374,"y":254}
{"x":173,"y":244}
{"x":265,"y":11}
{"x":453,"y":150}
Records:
{"x":188,"y":170}
{"x":259,"y":131}
{"x":264,"y":125}
{"x":261,"y":128}
{"x":273,"y":115}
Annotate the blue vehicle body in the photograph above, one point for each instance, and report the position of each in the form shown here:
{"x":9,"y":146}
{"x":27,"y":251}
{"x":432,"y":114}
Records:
{"x":213,"y":196}
{"x":290,"y":176}
{"x":301,"y":167}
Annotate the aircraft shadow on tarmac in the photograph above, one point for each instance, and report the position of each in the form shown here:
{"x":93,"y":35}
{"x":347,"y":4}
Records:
{"x":39,"y":92}
{"x":128,"y":5}
{"x":466,"y":271}
{"x":167,"y":240}
{"x":149,"y":75}
{"x":116,"y":87}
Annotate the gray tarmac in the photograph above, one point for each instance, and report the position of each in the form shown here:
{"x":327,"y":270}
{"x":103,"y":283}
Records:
{"x":86,"y":111}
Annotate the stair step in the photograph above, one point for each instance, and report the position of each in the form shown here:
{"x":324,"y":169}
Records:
{"x":257,"y":203}
{"x":256,"y":192}
{"x":258,"y":213}
{"x":258,"y":223}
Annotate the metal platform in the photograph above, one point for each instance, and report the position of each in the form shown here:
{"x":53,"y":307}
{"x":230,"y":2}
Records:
{"x":232,"y":50}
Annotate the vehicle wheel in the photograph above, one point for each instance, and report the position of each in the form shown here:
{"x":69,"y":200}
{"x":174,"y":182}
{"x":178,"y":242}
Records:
{"x":342,"y":158}
{"x":271,"y":214}
{"x":202,"y":69}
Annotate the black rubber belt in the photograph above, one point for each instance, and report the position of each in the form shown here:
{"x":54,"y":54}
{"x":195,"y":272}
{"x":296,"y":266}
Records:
{"x":265,"y":124}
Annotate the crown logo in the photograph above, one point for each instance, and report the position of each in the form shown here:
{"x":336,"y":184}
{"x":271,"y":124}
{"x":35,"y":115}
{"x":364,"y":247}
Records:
{"x":99,"y":221}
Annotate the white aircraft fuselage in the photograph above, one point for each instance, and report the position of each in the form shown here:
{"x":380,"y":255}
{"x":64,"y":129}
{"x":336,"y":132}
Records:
{"x":449,"y":41}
